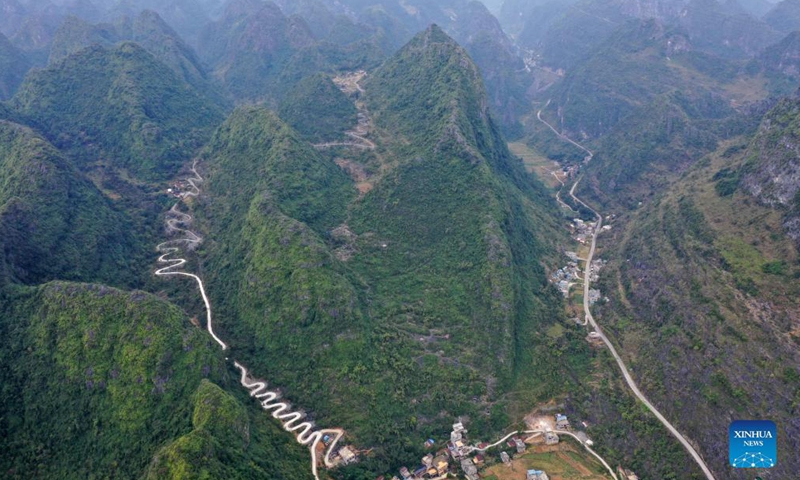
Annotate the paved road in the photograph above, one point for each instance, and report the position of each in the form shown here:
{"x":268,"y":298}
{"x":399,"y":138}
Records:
{"x":590,"y":320}
{"x":305,"y":432}
{"x":170,"y":248}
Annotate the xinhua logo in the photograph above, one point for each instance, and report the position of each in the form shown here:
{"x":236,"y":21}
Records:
{"x":753,"y":444}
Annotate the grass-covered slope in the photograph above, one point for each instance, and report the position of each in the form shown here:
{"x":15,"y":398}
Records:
{"x":424,"y":298}
{"x":316,"y":108}
{"x":94,"y":379}
{"x":704,"y":298}
{"x":119,"y":106}
{"x":53,"y":222}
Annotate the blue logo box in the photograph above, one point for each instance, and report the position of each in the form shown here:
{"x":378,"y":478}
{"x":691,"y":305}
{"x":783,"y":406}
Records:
{"x":753,"y":444}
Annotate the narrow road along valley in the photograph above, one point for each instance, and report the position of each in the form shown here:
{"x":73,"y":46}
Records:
{"x":589,"y":319}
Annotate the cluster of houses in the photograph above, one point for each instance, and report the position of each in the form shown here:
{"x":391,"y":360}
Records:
{"x":345,"y":455}
{"x":470,"y":458}
{"x":432,"y":467}
{"x":582,"y":231}
{"x":565,"y":277}
{"x":457,"y":447}
{"x":594,"y":271}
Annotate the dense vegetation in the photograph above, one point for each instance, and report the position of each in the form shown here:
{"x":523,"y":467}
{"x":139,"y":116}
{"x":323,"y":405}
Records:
{"x":229,"y":441}
{"x":249,"y":46}
{"x":317,"y":109}
{"x":96,"y":380}
{"x":53,"y":222}
{"x":150,"y":32}
{"x":103,"y":371}
{"x":119,"y":107}
{"x":390,"y":290}
{"x":13,"y":66}
{"x":406,"y":299}
{"x":650,"y":105}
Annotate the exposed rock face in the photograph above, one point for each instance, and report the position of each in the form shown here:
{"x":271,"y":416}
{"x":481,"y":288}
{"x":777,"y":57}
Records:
{"x":773,"y":171}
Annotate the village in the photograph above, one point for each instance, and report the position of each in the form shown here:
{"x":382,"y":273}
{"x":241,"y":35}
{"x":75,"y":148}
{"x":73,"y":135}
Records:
{"x":457,"y":458}
{"x":571,"y":274}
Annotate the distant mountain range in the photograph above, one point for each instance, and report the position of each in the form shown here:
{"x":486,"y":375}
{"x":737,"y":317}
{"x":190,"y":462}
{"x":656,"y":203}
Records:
{"x":371,"y":247}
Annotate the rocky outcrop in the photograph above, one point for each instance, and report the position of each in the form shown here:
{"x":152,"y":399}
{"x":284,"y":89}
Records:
{"x":772,"y":174}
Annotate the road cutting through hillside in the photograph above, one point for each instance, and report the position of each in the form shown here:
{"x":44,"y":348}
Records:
{"x":305,"y":433}
{"x":590,"y":319}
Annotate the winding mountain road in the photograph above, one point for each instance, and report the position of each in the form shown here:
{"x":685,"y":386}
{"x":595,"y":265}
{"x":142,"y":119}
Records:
{"x":174,"y":264}
{"x":590,"y":319}
{"x":305,"y":433}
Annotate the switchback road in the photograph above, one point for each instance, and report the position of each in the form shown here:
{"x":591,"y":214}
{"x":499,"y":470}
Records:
{"x":306,"y":433}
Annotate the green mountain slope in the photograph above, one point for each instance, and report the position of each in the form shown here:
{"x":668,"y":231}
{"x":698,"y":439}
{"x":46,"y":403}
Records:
{"x":94,"y":379}
{"x":146,"y":29}
{"x":121,"y":107}
{"x":784,"y":16}
{"x":75,"y":34}
{"x":729,"y":34}
{"x":780,"y":63}
{"x":316,"y":108}
{"x":229,"y":441}
{"x":650,"y":105}
{"x":408,"y":297}
{"x":567,"y":34}
{"x":249,"y":46}
{"x":54,"y":223}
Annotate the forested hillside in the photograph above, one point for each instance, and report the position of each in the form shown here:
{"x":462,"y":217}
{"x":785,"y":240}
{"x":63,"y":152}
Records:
{"x":121,"y":107}
{"x":406,"y":297}
{"x":371,"y":248}
{"x":13,"y":66}
{"x":51,"y":216}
